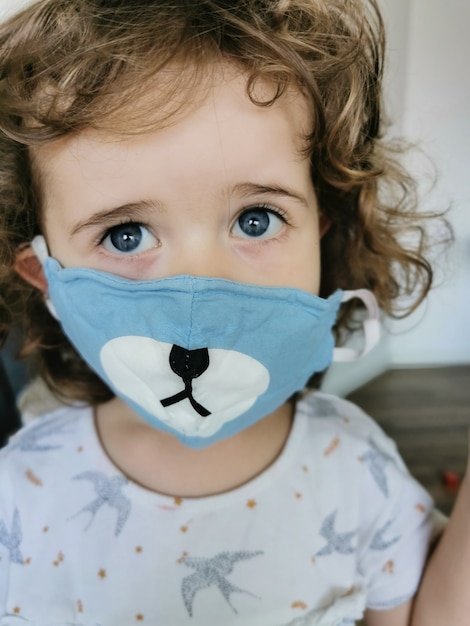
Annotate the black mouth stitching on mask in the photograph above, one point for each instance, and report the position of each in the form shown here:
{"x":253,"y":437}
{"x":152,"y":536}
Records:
{"x":188,"y":364}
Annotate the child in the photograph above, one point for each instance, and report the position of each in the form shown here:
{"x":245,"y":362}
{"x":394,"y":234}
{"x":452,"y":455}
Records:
{"x":174,"y":177}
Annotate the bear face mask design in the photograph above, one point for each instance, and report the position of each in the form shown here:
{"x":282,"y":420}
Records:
{"x":201,"y":358}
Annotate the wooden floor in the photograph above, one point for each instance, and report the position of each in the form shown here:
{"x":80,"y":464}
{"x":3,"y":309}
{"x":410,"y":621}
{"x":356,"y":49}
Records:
{"x":427,"y":413}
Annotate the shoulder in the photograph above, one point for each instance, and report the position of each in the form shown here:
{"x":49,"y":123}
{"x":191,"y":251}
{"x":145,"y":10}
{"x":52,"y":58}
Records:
{"x":42,"y":432}
{"x":330,"y":414}
{"x":48,"y":433}
{"x":42,"y":457}
{"x":360,"y":463}
{"x":370,"y":489}
{"x":318,"y":405}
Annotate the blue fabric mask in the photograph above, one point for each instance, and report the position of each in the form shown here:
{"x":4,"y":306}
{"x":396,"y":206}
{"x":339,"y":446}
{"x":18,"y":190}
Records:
{"x":201,"y":358}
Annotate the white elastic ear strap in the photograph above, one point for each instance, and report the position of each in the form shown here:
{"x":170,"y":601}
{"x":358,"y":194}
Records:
{"x":39,"y":246}
{"x":371,"y":327}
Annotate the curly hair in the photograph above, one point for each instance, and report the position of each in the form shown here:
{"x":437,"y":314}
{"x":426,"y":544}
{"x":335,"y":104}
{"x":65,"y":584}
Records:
{"x":68,"y":65}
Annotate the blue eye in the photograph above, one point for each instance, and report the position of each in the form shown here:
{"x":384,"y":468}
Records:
{"x":257,"y":223}
{"x":130,"y":238}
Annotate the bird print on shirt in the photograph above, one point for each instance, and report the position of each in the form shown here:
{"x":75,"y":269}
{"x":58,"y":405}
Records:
{"x":108,"y":491}
{"x":336,"y":542}
{"x":377,"y":461}
{"x":31,"y":439}
{"x":213,"y":571}
{"x":12,"y":540}
{"x":320,"y":407}
{"x":379,"y":542}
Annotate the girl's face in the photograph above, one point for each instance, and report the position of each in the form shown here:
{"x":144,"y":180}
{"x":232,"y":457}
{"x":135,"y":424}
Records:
{"x":225,"y":192}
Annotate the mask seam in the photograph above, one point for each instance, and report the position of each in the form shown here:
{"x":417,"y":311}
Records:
{"x":191,"y":312}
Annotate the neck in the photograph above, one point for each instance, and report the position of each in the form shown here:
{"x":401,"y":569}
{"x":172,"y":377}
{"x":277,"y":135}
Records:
{"x":160,"y":462}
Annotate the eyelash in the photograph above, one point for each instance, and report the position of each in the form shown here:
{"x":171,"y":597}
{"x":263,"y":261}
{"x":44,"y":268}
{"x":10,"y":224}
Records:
{"x":278,"y":212}
{"x":269,"y":208}
{"x":281,"y":214}
{"x":124,"y":222}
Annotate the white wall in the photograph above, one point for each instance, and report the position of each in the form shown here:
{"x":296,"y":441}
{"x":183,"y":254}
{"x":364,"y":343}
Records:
{"x":8,"y":7}
{"x":396,"y":15}
{"x":436,"y":112}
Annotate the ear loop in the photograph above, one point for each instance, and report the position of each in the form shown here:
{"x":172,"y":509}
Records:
{"x":371,"y":327}
{"x":39,"y":247}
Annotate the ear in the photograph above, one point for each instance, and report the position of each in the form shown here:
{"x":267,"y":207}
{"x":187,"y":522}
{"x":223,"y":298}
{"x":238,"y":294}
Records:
{"x":29,"y":267}
{"x":324,"y":225}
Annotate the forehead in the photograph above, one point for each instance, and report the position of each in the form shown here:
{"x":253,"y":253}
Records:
{"x":219,"y":125}
{"x":177,"y":91}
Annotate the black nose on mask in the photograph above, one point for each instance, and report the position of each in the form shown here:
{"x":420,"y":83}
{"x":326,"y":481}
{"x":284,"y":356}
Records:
{"x":188,"y":364}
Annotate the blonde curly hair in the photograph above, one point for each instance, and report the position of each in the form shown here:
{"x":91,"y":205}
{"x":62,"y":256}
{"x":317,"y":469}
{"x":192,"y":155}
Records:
{"x":68,"y":65}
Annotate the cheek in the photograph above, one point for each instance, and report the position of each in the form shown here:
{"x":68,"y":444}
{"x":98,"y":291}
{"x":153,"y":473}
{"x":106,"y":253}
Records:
{"x":307,"y":278}
{"x":55,"y":239}
{"x":54,"y":230}
{"x":60,"y":248}
{"x":293,"y":262}
{"x":304,"y":267}
{"x":146,"y":266}
{"x":304,"y":274}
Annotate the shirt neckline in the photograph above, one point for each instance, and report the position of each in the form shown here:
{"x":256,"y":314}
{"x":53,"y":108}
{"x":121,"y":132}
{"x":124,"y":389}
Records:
{"x":138,"y":493}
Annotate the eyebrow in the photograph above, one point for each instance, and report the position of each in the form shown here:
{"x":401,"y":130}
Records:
{"x":277,"y":190}
{"x":131,"y":210}
{"x":140,"y":209}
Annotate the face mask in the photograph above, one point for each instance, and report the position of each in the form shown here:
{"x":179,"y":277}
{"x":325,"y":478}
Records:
{"x":201,"y":358}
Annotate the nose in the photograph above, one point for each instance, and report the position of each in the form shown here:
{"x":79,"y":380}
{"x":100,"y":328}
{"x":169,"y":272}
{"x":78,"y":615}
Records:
{"x":204,"y":258}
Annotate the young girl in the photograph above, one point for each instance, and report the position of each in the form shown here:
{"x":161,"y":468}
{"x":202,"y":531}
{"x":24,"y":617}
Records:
{"x":186,"y":188}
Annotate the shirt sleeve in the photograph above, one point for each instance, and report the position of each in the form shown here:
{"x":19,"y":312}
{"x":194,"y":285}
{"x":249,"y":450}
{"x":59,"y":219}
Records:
{"x":4,"y":564}
{"x":4,"y":551}
{"x":6,"y":532}
{"x":398,"y":527}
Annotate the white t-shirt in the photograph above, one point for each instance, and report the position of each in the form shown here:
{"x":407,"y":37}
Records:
{"x":336,"y":524}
